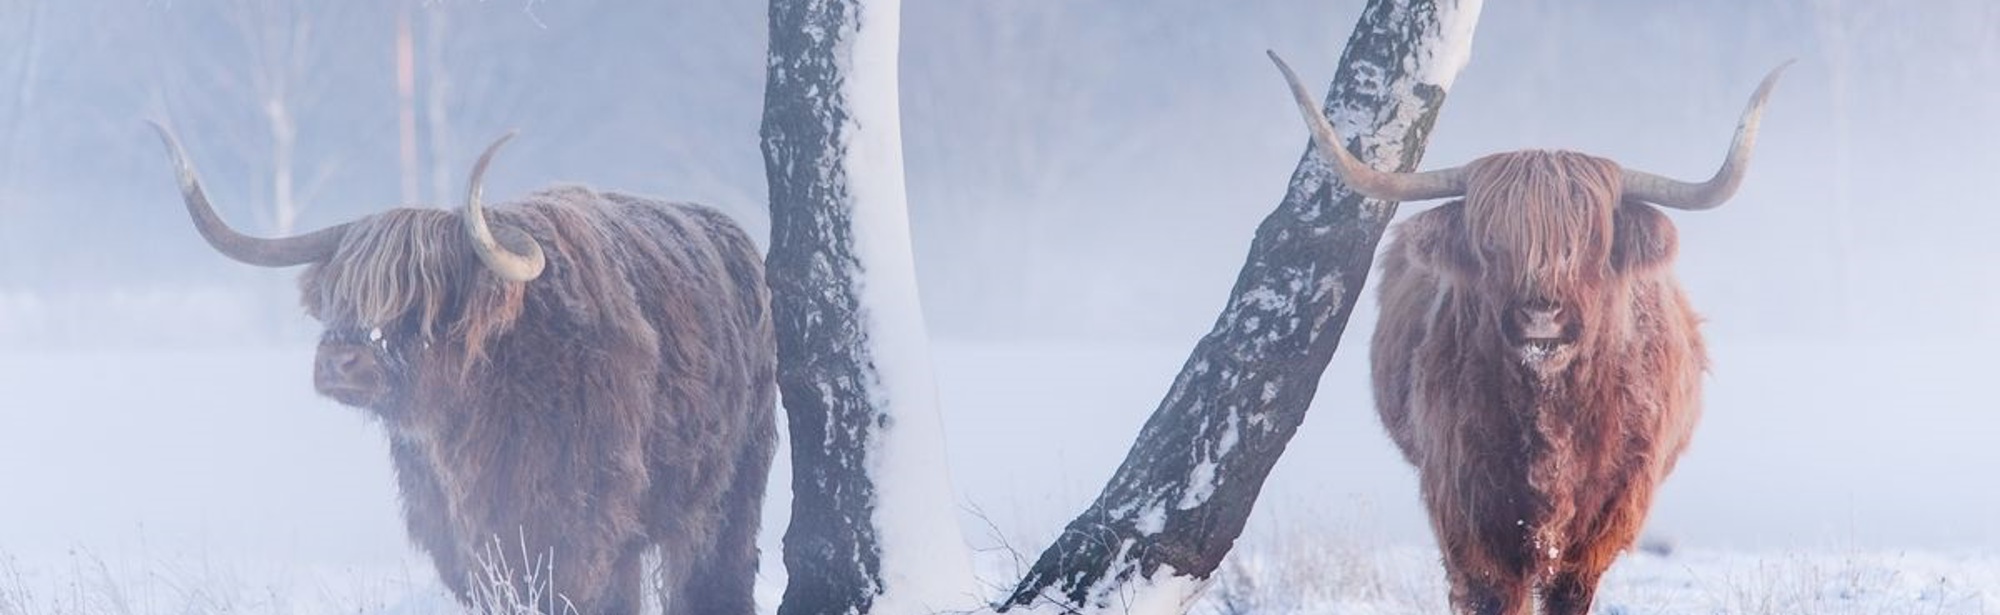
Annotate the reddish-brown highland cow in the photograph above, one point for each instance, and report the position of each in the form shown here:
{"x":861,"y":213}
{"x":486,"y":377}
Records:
{"x":1536,"y":359}
{"x":581,"y":379}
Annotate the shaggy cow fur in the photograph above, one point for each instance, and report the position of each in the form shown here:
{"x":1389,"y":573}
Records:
{"x":621,"y":401}
{"x":1537,"y":458}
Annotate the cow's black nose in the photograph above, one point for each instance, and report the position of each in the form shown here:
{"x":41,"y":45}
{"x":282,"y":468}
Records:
{"x":346,"y":366}
{"x":343,"y":362}
{"x":1537,"y":304}
{"x":1539,"y":320}
{"x":1539,"y":312}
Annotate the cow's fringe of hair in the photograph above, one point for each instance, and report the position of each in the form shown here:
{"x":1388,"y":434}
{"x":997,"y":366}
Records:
{"x":412,"y":263}
{"x":1551,"y":211}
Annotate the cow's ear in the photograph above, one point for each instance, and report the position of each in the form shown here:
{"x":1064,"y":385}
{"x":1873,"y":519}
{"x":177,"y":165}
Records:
{"x":1436,"y":240}
{"x":1646,"y":238}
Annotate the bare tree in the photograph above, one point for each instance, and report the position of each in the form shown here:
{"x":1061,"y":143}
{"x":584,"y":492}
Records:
{"x":281,"y":36}
{"x":1179,"y":501}
{"x":21,"y":44}
{"x":20,"y":72}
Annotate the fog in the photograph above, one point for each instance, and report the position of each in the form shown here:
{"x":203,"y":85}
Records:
{"x":1085,"y":177}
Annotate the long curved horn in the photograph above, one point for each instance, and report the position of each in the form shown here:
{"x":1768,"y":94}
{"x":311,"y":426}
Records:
{"x":282,"y":252}
{"x":1442,"y":183}
{"x":1643,"y":186}
{"x":509,"y":265}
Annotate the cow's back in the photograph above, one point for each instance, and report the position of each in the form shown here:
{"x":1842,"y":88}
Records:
{"x":719,"y":357}
{"x":698,"y":301}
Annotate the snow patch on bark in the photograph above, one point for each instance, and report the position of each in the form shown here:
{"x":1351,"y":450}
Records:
{"x":1434,"y":62}
{"x":1165,"y":592}
{"x":1151,"y":520}
{"x":1267,"y":299}
{"x":1201,"y":485}
{"x":1203,"y":479}
{"x":1450,"y":49}
{"x":1123,"y":592}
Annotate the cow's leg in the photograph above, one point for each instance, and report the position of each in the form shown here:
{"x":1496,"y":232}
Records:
{"x":1488,"y":570}
{"x":724,"y":582}
{"x":1570,"y":592}
{"x":672,"y":579}
{"x":1473,"y":594}
{"x":684,"y":542}
{"x":626,"y":589}
{"x":1574,"y":586}
{"x":525,"y":568}
{"x":1484,"y":537}
{"x":560,"y":560}
{"x":601,"y":570}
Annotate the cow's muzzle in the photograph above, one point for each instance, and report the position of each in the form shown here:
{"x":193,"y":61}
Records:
{"x":1540,"y":322}
{"x":350,"y":373}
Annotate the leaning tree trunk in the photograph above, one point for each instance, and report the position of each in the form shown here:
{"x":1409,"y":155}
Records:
{"x":1163,"y":523}
{"x":872,"y":526}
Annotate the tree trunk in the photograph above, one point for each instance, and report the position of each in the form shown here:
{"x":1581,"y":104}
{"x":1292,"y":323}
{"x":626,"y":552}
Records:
{"x":872,"y":525}
{"x":21,"y":73}
{"x":1176,"y":505}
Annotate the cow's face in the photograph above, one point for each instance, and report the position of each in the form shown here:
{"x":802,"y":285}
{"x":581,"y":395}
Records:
{"x":386,"y":299}
{"x":408,"y":308}
{"x":1545,"y":250}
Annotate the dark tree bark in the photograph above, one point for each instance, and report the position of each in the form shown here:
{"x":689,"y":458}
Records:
{"x":831,"y":548}
{"x":831,"y":553}
{"x":1184,"y":491}
{"x":852,"y":357}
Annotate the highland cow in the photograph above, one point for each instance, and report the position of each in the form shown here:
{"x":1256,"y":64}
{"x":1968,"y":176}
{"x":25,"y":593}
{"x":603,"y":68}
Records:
{"x":568,"y":382}
{"x":1536,"y":359}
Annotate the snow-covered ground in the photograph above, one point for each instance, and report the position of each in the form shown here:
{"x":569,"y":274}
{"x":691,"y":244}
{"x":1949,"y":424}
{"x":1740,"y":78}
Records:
{"x":1824,"y":479}
{"x":1404,"y":580}
{"x":1322,"y":575}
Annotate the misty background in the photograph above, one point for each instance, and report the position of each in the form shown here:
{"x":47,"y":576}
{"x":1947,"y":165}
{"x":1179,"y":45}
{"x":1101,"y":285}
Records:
{"x":1084,"y":177}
